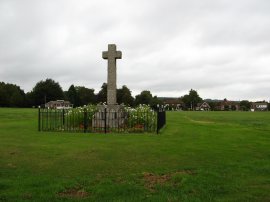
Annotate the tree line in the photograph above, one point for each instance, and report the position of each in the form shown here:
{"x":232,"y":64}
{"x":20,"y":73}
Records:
{"x":47,"y":90}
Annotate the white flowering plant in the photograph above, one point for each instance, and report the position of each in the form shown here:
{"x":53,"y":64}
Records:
{"x":141,"y":118}
{"x":75,"y":116}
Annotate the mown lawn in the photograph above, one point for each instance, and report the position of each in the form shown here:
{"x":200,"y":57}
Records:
{"x":199,"y":156}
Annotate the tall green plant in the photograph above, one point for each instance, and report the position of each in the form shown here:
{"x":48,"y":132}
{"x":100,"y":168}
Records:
{"x":142,"y":117}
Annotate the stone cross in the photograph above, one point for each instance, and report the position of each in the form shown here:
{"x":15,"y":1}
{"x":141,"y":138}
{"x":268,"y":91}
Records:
{"x":111,"y":55}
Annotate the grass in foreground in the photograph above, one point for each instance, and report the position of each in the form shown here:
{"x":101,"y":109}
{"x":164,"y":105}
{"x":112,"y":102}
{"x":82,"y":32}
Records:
{"x":199,"y":156}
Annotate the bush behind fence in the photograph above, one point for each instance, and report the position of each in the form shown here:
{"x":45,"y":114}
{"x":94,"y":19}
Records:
{"x":89,"y":120}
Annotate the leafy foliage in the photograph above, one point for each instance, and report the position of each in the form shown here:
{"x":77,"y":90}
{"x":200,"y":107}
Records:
{"x":11,"y":96}
{"x":72,"y":96}
{"x":49,"y":90}
{"x":145,"y":97}
{"x":245,"y":105}
{"x":192,"y":99}
{"x":124,"y":96}
{"x":141,"y":116}
{"x":46,"y":91}
{"x":86,"y":95}
{"x":102,"y":94}
{"x":76,"y":114}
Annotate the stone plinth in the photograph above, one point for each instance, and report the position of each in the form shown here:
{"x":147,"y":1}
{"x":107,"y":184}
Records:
{"x":111,"y":116}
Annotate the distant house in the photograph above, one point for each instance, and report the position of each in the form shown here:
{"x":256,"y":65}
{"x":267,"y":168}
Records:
{"x":172,"y":103}
{"x":227,"y":105}
{"x":59,"y":104}
{"x":203,"y":107}
{"x":259,"y":106}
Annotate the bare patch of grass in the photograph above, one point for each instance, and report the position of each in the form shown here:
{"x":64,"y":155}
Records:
{"x":11,"y":165}
{"x":74,"y":192}
{"x":27,"y":196}
{"x":151,"y":180}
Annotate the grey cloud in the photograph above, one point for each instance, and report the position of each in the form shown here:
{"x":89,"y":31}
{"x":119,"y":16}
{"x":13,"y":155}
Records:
{"x":221,"y":48}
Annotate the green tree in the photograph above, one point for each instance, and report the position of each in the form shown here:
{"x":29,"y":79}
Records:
{"x":47,"y":90}
{"x":145,"y":97}
{"x":124,"y":96}
{"x":30,"y":100}
{"x":226,"y":108}
{"x":212,"y":105}
{"x":102,"y":94}
{"x":3,"y":95}
{"x":186,"y":101}
{"x":245,"y":105}
{"x":86,"y":95}
{"x":233,"y":108}
{"x":11,"y":95}
{"x":192,"y":99}
{"x":72,"y":96}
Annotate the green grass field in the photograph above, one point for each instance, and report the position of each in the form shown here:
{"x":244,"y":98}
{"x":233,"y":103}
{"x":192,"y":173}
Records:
{"x":199,"y":156}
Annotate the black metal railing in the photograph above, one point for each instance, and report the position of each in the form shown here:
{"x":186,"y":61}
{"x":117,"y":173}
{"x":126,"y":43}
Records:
{"x":161,"y":119}
{"x":100,"y":121}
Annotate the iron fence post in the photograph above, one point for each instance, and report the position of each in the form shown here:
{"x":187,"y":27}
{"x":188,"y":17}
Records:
{"x":47,"y":119}
{"x":85,"y":120}
{"x":157,"y":121}
{"x":105,"y":121}
{"x":38,"y":118}
{"x":63,"y":116}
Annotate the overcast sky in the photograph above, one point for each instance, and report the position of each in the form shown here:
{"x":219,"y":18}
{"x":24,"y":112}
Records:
{"x":221,"y":48}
